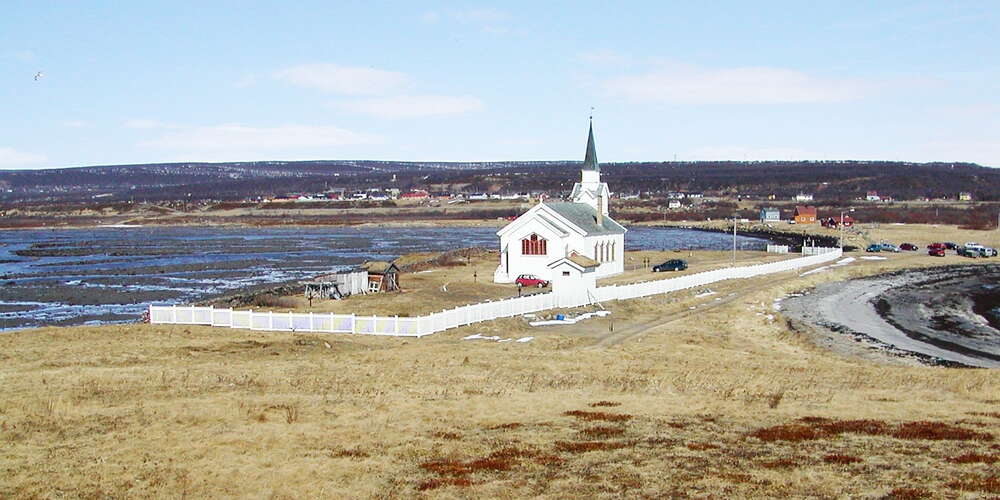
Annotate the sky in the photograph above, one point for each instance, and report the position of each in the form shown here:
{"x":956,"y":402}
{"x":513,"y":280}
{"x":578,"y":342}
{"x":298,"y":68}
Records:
{"x":141,"y":82}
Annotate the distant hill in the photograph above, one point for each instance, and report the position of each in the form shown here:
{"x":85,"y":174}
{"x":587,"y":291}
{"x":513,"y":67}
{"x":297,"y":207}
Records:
{"x":827,"y":180}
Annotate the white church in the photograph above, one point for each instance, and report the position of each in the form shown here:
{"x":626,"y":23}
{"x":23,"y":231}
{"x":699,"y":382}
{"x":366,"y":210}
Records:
{"x":560,"y":239}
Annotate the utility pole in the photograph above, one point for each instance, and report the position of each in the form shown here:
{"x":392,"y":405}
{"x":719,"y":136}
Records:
{"x":734,"y":240}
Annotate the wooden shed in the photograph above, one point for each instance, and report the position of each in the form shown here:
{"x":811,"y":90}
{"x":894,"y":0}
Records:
{"x":338,"y":285}
{"x":805,"y":214}
{"x":382,"y":276}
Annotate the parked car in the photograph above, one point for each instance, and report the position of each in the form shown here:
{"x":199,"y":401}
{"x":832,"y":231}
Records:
{"x":909,"y":247}
{"x":988,"y":252}
{"x":969,"y":252}
{"x":874,"y":247}
{"x":889,"y":247}
{"x":934,"y":246}
{"x":671,"y":265}
{"x":936,"y":252}
{"x":531,"y":280}
{"x":951,"y":246}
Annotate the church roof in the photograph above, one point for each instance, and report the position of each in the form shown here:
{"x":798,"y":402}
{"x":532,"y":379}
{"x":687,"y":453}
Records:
{"x":590,"y":160}
{"x":585,"y":217}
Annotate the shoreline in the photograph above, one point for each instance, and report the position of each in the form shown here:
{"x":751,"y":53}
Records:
{"x":924,"y":315}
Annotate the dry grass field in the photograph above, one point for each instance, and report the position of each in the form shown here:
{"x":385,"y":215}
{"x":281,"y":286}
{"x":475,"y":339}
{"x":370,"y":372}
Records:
{"x":679,"y":395}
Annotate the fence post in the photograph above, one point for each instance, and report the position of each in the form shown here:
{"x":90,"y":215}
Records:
{"x":291,"y":321}
{"x":354,"y":325}
{"x":270,"y":320}
{"x":211,"y":315}
{"x":395,"y":328}
{"x":173,"y":314}
{"x":312,"y":323}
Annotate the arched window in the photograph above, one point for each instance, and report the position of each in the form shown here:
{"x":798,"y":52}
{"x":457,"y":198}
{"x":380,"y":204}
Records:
{"x":534,"y":245}
{"x":612,"y":252}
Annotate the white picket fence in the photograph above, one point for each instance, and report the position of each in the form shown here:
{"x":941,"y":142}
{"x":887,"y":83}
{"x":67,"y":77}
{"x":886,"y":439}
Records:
{"x":463,"y":315}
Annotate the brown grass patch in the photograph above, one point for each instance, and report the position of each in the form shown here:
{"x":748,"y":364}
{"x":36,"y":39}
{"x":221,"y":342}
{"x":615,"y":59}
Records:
{"x":822,"y":428}
{"x":605,"y":404}
{"x":989,"y":484}
{"x":937,"y":431}
{"x":602,"y":432}
{"x":344,"y":453}
{"x":789,"y":432}
{"x":974,"y":458}
{"x":436,"y":483}
{"x":702,"y":446}
{"x":992,"y":414}
{"x":508,"y":426}
{"x":676,"y":425}
{"x":907,"y":494}
{"x":598,"y":415}
{"x":836,"y":458}
{"x":781,"y":463}
{"x":446,"y":435}
{"x":585,"y":446}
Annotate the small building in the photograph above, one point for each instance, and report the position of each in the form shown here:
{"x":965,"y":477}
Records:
{"x":872,"y":196}
{"x":674,"y":204}
{"x":674,"y":195}
{"x":382,"y":276}
{"x":803,"y":197}
{"x":770,"y":214}
{"x":835,"y":222}
{"x":965,"y":196}
{"x":416,"y":193}
{"x":804,"y":214}
{"x":338,"y":285}
{"x":573,"y":277}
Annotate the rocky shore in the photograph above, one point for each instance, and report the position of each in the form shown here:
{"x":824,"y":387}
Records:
{"x":941,"y":315}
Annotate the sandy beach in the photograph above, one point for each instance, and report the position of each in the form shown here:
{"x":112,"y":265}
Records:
{"x":928,"y":315}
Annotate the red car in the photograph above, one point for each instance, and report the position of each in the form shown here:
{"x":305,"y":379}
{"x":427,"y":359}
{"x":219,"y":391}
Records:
{"x":531,"y":280}
{"x":935,"y":246}
{"x":910,"y":247}
{"x":936,"y":252}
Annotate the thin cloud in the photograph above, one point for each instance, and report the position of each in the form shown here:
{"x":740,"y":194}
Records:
{"x":144,"y":123}
{"x":251,"y":140}
{"x":741,"y":85}
{"x":414,"y":106}
{"x":345,"y":80}
{"x":604,"y":57}
{"x":12,"y":158}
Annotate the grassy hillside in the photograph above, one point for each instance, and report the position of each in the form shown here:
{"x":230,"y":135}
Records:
{"x":683,"y":394}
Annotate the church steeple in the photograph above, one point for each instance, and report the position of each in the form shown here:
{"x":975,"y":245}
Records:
{"x":590,"y":160}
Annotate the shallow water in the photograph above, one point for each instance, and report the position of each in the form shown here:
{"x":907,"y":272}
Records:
{"x":76,"y":276}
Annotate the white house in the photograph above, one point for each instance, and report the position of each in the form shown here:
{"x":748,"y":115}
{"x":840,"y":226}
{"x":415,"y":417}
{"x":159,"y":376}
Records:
{"x":803,"y":197}
{"x":550,"y":232}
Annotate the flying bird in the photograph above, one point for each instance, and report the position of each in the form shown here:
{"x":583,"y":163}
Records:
{"x":38,"y":75}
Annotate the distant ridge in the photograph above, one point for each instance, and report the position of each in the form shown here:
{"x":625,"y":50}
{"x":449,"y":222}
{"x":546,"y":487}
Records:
{"x":842,"y":179}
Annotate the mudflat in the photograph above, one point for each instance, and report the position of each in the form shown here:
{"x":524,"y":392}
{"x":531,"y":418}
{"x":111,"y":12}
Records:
{"x":933,"y":314}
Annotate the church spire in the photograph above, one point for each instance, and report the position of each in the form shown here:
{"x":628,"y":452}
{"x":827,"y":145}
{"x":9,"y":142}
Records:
{"x":590,"y":160}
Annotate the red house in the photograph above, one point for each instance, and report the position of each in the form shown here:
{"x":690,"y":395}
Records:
{"x":805,"y":214}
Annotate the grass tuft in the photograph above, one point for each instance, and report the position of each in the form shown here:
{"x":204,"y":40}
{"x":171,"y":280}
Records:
{"x":836,"y":458}
{"x":989,"y":484}
{"x":780,"y":463}
{"x":701,"y":446}
{"x":446,"y":435}
{"x":974,"y":458}
{"x":907,"y":494}
{"x":598,"y":415}
{"x":604,"y":404}
{"x":433,"y":484}
{"x":585,"y":446}
{"x":602,"y":432}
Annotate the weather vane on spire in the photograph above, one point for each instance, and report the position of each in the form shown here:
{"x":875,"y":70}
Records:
{"x":591,"y":113}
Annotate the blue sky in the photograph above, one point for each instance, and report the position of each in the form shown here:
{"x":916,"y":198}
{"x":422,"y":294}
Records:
{"x":134,"y":82}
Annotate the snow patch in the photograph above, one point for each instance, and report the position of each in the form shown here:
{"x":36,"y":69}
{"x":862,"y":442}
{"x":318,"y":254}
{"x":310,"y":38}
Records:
{"x":873,"y":257}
